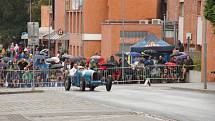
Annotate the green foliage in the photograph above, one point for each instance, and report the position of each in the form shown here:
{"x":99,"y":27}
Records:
{"x":44,"y":2}
{"x":197,"y":63}
{"x":14,"y":15}
{"x":197,"y":60}
{"x":209,"y":11}
{"x":13,"y":18}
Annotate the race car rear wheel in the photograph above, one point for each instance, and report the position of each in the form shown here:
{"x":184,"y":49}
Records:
{"x":67,"y":84}
{"x":92,"y":88}
{"x":82,"y":84}
{"x":109,"y":83}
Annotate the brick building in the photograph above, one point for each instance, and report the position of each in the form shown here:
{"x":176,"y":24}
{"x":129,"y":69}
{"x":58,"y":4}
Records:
{"x":96,"y":27}
{"x":189,"y":15}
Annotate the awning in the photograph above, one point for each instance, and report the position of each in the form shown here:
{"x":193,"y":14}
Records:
{"x":55,"y":36}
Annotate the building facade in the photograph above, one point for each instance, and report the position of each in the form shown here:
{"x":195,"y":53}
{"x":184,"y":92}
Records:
{"x":99,"y":26}
{"x":189,"y":15}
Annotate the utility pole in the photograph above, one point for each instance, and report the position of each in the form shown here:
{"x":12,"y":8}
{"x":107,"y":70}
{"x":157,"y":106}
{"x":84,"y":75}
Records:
{"x":30,"y":11}
{"x":49,"y":42}
{"x":175,"y":40}
{"x":164,"y":28}
{"x":188,"y":44}
{"x":205,"y":54}
{"x":33,"y":84}
{"x":123,"y":38}
{"x":32,"y":39}
{"x":82,"y":28}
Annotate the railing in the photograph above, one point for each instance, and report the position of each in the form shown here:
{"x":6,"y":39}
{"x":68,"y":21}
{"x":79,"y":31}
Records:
{"x":140,"y":74}
{"x":136,"y":74}
{"x":164,"y":73}
{"x":55,"y":78}
{"x":29,"y":78}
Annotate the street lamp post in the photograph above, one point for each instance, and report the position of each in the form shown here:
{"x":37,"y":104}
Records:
{"x":164,"y":28}
{"x":49,"y":42}
{"x":205,"y":54}
{"x":123,"y":38}
{"x":30,"y":11}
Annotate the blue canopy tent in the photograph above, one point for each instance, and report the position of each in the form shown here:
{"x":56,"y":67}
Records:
{"x":151,"y":42}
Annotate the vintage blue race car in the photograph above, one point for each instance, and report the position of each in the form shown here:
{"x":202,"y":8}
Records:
{"x":87,"y":79}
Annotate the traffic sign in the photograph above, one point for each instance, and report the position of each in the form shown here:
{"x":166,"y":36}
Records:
{"x":33,"y":33}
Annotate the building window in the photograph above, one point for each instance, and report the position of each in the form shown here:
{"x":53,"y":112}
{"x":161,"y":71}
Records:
{"x":73,"y":51}
{"x":199,"y":5}
{"x":78,"y":54}
{"x":77,"y":4}
{"x":133,"y":34}
{"x":181,"y":8}
{"x":67,"y":5}
{"x":130,"y":38}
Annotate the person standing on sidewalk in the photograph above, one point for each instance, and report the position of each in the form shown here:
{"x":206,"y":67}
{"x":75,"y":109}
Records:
{"x":187,"y":66}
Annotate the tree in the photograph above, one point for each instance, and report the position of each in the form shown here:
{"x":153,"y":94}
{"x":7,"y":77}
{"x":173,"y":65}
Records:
{"x":14,"y":15}
{"x":209,"y":11}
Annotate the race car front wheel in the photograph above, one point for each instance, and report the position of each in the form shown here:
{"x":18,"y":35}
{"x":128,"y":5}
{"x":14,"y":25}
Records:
{"x":67,"y":84}
{"x":109,"y":83}
{"x":82,"y":84}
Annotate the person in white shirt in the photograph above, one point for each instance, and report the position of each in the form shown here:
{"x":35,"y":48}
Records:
{"x":73,"y":70}
{"x":16,"y":48}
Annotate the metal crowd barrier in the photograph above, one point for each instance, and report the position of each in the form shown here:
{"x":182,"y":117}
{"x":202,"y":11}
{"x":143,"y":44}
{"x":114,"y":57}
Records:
{"x":131,"y":74}
{"x":158,"y":73}
{"x":164,"y":73}
{"x":30,"y":78}
{"x":55,"y":78}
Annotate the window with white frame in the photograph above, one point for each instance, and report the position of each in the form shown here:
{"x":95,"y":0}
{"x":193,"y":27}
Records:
{"x":77,"y":4}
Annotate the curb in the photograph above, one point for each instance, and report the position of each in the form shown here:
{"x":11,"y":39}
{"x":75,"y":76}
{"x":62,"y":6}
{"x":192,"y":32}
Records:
{"x":20,"y":92}
{"x":196,"y":90}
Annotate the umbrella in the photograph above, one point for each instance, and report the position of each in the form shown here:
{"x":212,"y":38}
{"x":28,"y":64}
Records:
{"x":22,"y":63}
{"x":53,"y":60}
{"x":182,"y":57}
{"x":66,"y":56}
{"x":56,"y":66}
{"x":108,"y":64}
{"x":176,"y":54}
{"x":150,"y":52}
{"x":170,"y":64}
{"x":3,"y":65}
{"x":144,"y":54}
{"x":179,"y":55}
{"x":136,"y":54}
{"x":95,"y":57}
{"x":79,"y":58}
{"x":6,"y":59}
{"x":119,"y":54}
{"x":44,"y":52}
{"x":39,"y":57}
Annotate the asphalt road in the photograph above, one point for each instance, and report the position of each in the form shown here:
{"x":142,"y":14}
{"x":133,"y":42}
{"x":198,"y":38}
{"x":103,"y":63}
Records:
{"x":156,"y":101}
{"x":123,"y":103}
{"x":55,"y":104}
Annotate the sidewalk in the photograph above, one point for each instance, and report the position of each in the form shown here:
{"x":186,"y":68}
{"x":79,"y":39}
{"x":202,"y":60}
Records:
{"x":189,"y":86}
{"x":180,"y":86}
{"x":18,"y":90}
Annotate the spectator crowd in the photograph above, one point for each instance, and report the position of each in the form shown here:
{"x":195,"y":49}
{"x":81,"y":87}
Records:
{"x":17,"y":62}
